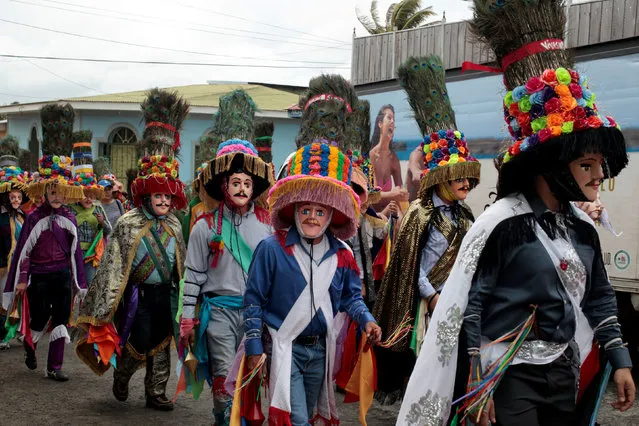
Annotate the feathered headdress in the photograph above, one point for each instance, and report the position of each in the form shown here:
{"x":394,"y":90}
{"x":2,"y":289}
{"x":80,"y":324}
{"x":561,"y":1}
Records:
{"x":158,"y":170}
{"x":326,"y":104}
{"x":263,"y":139}
{"x":549,"y":108}
{"x":444,"y":149}
{"x":233,"y":120}
{"x":83,"y":173}
{"x":56,"y":165}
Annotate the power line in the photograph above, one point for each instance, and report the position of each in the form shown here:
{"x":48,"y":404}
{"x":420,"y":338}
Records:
{"x":173,"y":20}
{"x":64,"y":78}
{"x":168,"y":49}
{"x":125,"y":61}
{"x":20,"y":96}
{"x":254,"y":21}
{"x":124,"y":18}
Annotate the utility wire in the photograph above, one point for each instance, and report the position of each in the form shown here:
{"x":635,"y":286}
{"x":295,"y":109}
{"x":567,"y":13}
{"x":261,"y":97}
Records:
{"x":125,"y":61}
{"x":19,"y":96}
{"x":214,"y":12}
{"x":168,"y":49}
{"x":124,"y":18}
{"x":64,"y":78}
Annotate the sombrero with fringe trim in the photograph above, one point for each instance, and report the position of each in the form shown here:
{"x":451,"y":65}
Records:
{"x":233,"y":156}
{"x":56,"y":166}
{"x":13,"y":178}
{"x":317,"y":173}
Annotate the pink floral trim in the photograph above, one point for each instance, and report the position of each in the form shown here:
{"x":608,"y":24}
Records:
{"x":230,"y":149}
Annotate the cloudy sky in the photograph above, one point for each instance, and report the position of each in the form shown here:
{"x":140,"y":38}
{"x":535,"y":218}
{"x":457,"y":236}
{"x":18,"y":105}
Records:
{"x":273,"y":41}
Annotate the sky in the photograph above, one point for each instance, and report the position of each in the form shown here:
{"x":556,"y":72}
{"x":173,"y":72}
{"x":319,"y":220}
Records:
{"x":270,"y":41}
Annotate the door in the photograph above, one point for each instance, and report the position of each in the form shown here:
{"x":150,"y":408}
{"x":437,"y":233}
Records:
{"x":123,"y":158}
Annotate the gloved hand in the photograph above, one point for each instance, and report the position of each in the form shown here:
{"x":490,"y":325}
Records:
{"x":187,"y":332}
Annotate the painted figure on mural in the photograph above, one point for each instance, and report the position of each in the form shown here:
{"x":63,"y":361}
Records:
{"x":385,"y":161}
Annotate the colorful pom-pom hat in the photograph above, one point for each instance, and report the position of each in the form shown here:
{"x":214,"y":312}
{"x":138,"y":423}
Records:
{"x":236,"y":155}
{"x":158,"y":170}
{"x":317,"y":173}
{"x":549,"y":107}
{"x":12,"y":178}
{"x":444,"y":149}
{"x":56,"y":166}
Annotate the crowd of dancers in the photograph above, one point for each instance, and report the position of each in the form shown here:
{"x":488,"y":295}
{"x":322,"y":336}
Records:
{"x":336,"y":274}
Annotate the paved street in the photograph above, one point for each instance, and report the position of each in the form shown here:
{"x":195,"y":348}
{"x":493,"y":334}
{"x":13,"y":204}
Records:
{"x":28,"y":398}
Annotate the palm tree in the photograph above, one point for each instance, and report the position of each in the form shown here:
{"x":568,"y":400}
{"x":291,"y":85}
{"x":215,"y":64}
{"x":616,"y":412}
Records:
{"x":403,"y":15}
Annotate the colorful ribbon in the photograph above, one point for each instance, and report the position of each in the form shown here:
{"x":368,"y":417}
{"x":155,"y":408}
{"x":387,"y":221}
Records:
{"x":328,"y":97}
{"x":519,"y":54}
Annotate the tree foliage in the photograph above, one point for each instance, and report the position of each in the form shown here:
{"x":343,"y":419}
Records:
{"x":403,"y":15}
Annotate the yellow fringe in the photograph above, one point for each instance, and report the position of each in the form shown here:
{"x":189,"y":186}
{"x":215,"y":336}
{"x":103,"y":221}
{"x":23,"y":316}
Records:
{"x":467,"y":169}
{"x":71,"y":193}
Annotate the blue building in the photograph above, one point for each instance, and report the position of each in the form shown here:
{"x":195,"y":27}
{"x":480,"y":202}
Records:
{"x":116,"y":122}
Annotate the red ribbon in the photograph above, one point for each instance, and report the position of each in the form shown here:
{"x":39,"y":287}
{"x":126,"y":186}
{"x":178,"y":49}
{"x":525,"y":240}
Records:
{"x":166,"y":126}
{"x":519,"y":54}
{"x":263,"y":149}
{"x":328,"y":97}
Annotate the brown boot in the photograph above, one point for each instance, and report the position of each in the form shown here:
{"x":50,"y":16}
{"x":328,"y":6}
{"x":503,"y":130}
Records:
{"x":160,"y":403}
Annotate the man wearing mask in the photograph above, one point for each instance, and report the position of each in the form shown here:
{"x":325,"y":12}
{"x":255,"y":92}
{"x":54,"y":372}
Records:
{"x":299,"y":279}
{"x":46,"y":268}
{"x":130,"y":309}
{"x":219,"y":253}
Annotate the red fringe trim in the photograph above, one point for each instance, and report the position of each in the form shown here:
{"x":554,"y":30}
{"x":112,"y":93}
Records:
{"x":262,"y":215}
{"x":277,"y":417}
{"x":323,"y":421}
{"x":346,"y":260}
{"x":281,"y":238}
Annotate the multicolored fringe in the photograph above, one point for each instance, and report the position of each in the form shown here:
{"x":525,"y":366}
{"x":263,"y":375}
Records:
{"x":402,"y":330}
{"x":481,"y":392}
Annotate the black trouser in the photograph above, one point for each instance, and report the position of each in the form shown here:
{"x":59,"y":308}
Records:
{"x":49,"y":297}
{"x":152,"y":323}
{"x":531,"y":395}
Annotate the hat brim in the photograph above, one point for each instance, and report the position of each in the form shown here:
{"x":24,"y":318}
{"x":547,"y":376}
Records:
{"x":467,"y":170}
{"x":213,"y":175}
{"x":71,"y":193}
{"x":157,"y":185}
{"x":315,"y":189}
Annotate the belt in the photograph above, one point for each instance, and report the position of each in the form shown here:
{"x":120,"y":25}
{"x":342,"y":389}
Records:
{"x":308,"y":340}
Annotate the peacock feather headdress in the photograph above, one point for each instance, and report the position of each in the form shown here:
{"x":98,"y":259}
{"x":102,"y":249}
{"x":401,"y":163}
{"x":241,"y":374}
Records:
{"x":158,"y":170}
{"x":263,"y":139}
{"x":444,"y":148}
{"x":549,"y":108}
{"x":326,"y":106}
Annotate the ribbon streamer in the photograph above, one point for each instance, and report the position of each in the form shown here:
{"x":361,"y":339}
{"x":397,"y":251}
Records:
{"x":167,"y":126}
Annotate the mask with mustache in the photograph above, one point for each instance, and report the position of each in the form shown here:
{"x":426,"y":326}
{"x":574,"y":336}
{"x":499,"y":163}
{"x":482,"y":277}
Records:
{"x":236,"y":190}
{"x":158,"y":206}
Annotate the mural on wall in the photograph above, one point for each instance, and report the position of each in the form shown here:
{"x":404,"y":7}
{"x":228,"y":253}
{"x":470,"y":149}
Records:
{"x":385,"y":161}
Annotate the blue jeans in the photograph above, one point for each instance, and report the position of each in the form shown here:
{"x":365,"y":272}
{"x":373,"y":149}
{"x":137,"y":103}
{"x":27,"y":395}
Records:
{"x":307,"y":375}
{"x":89,"y":273}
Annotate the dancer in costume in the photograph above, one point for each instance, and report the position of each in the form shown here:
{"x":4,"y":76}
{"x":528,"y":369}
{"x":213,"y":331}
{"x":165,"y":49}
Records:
{"x":529,"y":289}
{"x":298,"y":281}
{"x":434,"y":226}
{"x":13,"y":183}
{"x":46,"y":269}
{"x":128,"y":315}
{"x":219,"y":253}
{"x":109,"y":201}
{"x":92,"y":220}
